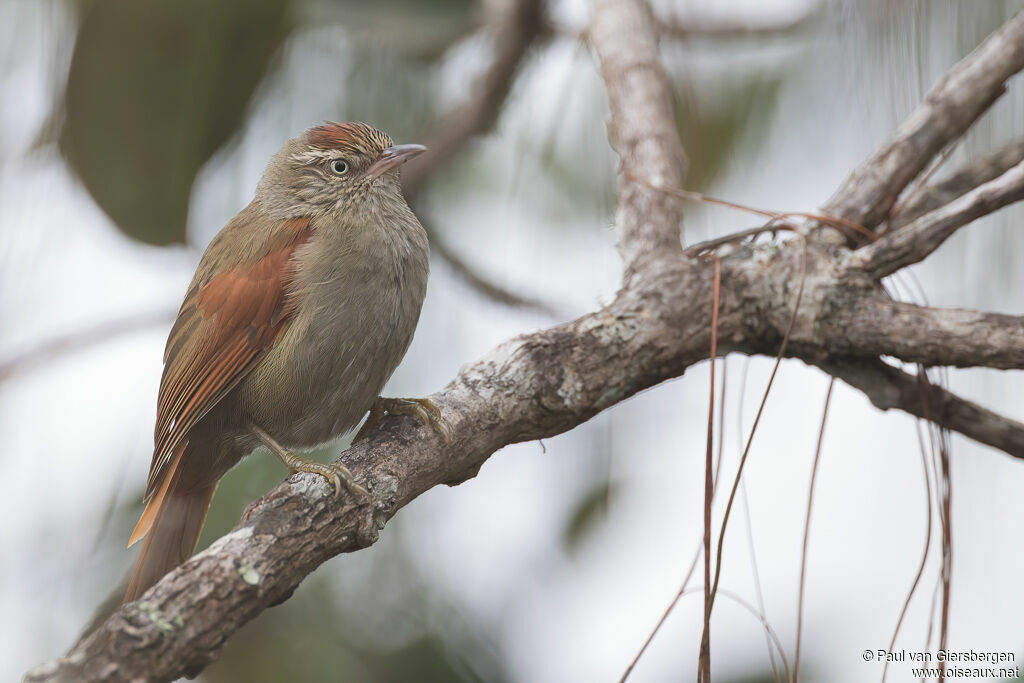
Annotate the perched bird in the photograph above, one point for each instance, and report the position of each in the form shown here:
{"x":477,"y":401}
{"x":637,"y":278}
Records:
{"x":299,"y":311}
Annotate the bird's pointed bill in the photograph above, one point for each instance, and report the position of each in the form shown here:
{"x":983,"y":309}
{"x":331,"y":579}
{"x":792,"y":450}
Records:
{"x":393,"y":157}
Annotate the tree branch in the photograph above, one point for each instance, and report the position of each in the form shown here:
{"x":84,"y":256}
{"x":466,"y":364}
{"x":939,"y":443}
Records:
{"x":913,"y":243}
{"x":875,"y":326}
{"x":954,"y":103}
{"x":888,"y":387}
{"x":642,"y":130}
{"x":934,"y":196}
{"x":532,"y":387}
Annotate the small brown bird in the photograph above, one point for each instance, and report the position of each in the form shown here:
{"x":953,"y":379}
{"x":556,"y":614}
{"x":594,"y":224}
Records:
{"x":299,"y":311}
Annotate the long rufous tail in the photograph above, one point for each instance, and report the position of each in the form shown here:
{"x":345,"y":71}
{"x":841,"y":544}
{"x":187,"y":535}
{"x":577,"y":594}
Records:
{"x":171,"y":524}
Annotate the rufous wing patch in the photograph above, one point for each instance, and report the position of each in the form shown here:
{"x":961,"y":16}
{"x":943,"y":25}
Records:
{"x":223,"y":328}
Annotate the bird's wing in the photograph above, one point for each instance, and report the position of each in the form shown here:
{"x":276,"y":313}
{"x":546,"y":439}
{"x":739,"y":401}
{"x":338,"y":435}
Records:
{"x":226,"y":323}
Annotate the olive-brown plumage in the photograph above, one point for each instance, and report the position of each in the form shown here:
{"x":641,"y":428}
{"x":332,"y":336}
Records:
{"x":299,"y":312}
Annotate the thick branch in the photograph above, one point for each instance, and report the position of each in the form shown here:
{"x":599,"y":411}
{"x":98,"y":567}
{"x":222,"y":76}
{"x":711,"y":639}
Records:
{"x":912,"y":243}
{"x":876,"y":326}
{"x":642,"y":130}
{"x":956,"y":102}
{"x":531,"y":387}
{"x":972,"y":175}
{"x":888,"y":387}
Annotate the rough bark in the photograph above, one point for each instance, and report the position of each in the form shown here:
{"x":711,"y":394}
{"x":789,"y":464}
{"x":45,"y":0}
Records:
{"x":550,"y":381}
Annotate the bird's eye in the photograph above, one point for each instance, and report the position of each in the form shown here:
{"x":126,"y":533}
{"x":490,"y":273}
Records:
{"x":339,"y":166}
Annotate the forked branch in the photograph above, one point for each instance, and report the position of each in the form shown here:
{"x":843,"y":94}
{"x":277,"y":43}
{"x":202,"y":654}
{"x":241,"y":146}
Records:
{"x":914,"y":242}
{"x":978,"y":172}
{"x":952,"y":106}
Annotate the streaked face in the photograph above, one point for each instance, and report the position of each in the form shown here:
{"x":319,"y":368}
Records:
{"x":338,"y":164}
{"x":334,"y":167}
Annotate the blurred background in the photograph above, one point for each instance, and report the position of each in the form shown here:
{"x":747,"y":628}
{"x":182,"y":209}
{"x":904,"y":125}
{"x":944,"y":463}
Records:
{"x":132,"y":130}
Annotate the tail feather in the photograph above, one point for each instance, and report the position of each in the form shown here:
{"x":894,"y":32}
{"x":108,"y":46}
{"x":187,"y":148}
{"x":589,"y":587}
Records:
{"x":171,"y":524}
{"x":155,"y":502}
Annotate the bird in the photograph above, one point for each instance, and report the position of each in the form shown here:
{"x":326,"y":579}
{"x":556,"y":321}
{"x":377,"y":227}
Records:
{"x":299,"y":311}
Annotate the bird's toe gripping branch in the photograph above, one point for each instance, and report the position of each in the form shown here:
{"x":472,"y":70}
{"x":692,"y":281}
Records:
{"x":423,"y":409}
{"x":336,"y":473}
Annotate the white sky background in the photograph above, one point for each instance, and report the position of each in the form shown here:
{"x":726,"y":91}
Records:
{"x":79,"y":427}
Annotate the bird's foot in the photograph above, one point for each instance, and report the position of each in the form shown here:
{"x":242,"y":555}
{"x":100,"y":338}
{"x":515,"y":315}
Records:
{"x":423,"y":409}
{"x":336,"y":473}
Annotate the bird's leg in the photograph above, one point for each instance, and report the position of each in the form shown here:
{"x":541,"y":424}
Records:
{"x":336,"y":473}
{"x":423,"y":409}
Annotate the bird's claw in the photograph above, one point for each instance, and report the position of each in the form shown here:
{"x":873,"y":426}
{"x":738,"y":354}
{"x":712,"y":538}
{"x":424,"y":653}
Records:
{"x":336,"y":473}
{"x":423,"y":409}
{"x":340,"y":476}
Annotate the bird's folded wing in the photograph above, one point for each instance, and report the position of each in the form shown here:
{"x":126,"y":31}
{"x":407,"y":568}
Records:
{"x":224,"y":326}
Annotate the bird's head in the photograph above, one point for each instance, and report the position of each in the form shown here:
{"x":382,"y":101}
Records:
{"x":334,"y":167}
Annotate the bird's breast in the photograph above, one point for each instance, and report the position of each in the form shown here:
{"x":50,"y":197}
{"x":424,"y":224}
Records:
{"x":357,"y":302}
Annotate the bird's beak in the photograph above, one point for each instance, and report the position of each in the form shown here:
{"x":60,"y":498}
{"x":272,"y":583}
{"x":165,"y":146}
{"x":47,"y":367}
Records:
{"x":392,"y":157}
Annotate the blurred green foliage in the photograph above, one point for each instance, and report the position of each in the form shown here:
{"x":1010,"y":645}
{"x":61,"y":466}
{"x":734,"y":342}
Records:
{"x":154,"y":89}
